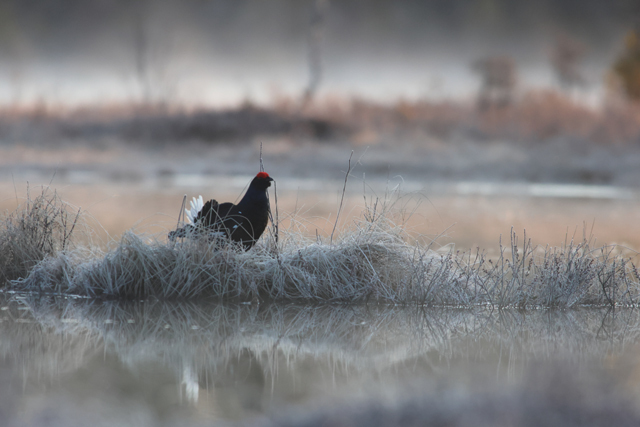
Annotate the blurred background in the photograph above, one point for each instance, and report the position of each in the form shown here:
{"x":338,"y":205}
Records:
{"x":487,"y":114}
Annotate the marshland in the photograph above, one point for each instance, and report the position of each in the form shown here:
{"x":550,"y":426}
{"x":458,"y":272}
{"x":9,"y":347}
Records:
{"x":454,"y":227}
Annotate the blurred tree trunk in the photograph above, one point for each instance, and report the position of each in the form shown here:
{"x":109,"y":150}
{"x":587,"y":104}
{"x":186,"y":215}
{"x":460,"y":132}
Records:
{"x":565,"y":58}
{"x":499,"y":77}
{"x":141,"y":50}
{"x":316,"y":33}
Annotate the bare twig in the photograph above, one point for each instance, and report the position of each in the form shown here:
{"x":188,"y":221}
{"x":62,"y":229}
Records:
{"x":276,"y":223}
{"x":182,"y":210}
{"x":344,"y":189}
{"x":180,"y":216}
{"x":261,"y":163}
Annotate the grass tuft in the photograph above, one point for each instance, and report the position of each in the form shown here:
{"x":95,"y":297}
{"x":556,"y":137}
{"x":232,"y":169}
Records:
{"x":372,"y":260}
{"x":38,"y":229}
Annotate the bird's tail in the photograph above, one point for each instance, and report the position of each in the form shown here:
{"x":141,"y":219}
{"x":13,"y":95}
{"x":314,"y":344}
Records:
{"x":196,"y":207}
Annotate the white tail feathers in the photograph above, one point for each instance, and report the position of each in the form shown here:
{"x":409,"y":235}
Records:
{"x":196,"y":207}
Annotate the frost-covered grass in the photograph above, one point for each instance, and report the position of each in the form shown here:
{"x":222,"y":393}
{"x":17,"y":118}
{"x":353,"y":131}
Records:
{"x":372,"y":260}
{"x":40,"y":228}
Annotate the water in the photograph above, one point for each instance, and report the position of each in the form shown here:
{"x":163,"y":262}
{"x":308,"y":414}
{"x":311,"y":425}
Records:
{"x":379,"y":185}
{"x":71,"y":361}
{"x":467,"y":214}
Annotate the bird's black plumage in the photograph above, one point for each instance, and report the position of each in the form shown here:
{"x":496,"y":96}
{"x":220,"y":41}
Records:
{"x":243,"y":223}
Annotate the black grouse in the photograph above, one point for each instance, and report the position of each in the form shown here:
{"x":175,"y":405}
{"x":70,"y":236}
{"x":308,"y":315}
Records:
{"x":243,"y":223}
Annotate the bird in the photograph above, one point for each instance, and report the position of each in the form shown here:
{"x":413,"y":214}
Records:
{"x":243,"y":223}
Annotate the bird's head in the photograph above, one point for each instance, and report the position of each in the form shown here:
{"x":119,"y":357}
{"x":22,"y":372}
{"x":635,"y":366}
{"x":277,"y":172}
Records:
{"x":262,"y":181}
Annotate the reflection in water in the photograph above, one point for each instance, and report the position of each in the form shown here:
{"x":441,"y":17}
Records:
{"x":164,"y":363}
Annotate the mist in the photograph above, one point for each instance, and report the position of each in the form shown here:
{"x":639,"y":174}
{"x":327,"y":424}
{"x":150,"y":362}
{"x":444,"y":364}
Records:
{"x":220,"y":53}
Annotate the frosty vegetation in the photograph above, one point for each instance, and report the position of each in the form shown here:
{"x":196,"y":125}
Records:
{"x":40,"y":229}
{"x":370,"y":261}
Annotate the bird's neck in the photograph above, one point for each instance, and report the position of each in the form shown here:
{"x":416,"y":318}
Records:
{"x":254,"y":196}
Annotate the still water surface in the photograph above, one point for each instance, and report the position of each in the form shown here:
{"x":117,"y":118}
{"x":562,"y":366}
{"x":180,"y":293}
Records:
{"x":66,"y":362}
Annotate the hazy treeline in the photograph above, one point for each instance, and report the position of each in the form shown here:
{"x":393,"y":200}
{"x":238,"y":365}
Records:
{"x":54,"y":27}
{"x":222,"y":52}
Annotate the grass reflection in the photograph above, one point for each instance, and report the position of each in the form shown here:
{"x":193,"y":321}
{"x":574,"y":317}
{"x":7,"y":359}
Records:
{"x":232,"y":361}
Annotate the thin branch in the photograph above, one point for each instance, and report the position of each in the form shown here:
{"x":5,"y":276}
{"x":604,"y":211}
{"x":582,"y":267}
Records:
{"x":344,"y":189}
{"x":261,"y":163}
{"x":277,"y":221}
